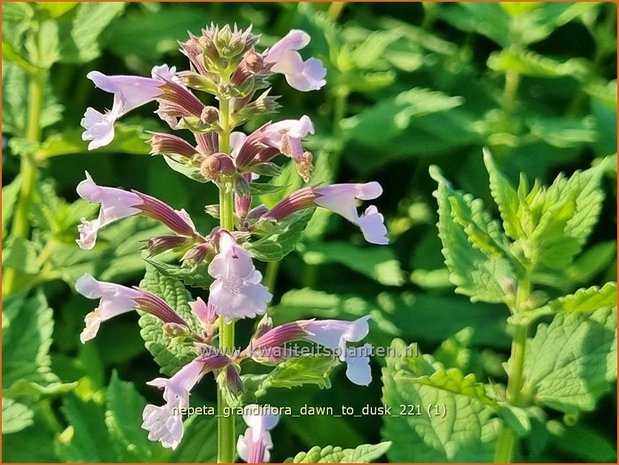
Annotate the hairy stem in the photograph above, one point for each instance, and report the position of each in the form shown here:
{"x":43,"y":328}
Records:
{"x":28,"y":171}
{"x":506,"y":441}
{"x":226,"y":439}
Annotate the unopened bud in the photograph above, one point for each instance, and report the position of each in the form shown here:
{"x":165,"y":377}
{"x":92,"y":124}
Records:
{"x":175,"y":330}
{"x":160,"y":244}
{"x":305,"y":166}
{"x":210,"y":115}
{"x":196,"y":255}
{"x":168,"y":144}
{"x":233,"y":381}
{"x":217,"y":164}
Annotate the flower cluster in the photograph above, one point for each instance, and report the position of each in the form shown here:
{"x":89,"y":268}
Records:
{"x":224,"y":63}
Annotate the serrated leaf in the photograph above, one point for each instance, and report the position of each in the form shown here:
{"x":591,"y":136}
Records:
{"x":79,"y":32}
{"x":15,"y":416}
{"x":573,"y":360}
{"x":275,"y":246}
{"x":294,"y":372}
{"x":88,"y":440}
{"x":330,"y":454}
{"x":378,"y":263}
{"x":586,"y":300}
{"x":10,"y":194}
{"x":533,"y":64}
{"x":194,"y":277}
{"x":123,"y":417}
{"x":20,"y":254}
{"x":465,"y":433}
{"x":26,"y":337}
{"x":473,"y":246}
{"x":505,"y":197}
{"x":391,"y":117}
{"x":168,"y":353}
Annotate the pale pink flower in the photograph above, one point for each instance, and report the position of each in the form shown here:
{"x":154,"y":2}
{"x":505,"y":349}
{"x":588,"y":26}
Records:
{"x":129,"y":92}
{"x":236,"y":291}
{"x":116,"y":300}
{"x":165,"y":423}
{"x":284,"y":59}
{"x":254,"y":446}
{"x":341,"y":199}
{"x":335,"y":334}
{"x":118,"y":203}
{"x":331,"y":334}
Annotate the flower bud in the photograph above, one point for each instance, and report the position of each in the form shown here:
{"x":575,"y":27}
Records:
{"x":160,"y":244}
{"x":210,"y":115}
{"x":198,"y":81}
{"x":167,"y":144}
{"x":196,"y":255}
{"x":233,"y":381}
{"x":217,"y":164}
{"x":175,"y":330}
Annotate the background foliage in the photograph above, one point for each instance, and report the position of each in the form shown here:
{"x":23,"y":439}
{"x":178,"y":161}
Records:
{"x":408,"y":86}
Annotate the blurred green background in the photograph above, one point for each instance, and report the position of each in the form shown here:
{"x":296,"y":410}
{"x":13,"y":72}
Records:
{"x":408,"y":85}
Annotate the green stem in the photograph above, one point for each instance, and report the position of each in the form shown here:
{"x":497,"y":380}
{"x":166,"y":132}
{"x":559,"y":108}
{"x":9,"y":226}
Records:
{"x":28,"y":171}
{"x":226,"y":440}
{"x":506,"y":441}
{"x":335,"y":10}
{"x":270,"y":276}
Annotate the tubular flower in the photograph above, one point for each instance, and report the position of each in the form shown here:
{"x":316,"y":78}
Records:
{"x":129,"y":92}
{"x":284,"y":59}
{"x":165,"y":423}
{"x":340,"y":198}
{"x":255,"y":445}
{"x":116,"y":300}
{"x":118,"y":203}
{"x":282,"y":137}
{"x":331,"y":334}
{"x":236,"y":291}
{"x":334,"y":334}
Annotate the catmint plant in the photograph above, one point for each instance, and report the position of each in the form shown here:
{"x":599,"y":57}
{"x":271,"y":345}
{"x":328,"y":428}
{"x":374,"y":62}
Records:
{"x":226,"y":85}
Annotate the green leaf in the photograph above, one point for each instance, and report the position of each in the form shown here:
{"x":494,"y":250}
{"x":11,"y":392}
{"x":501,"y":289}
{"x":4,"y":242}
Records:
{"x":79,"y":34}
{"x":9,"y":53}
{"x":127,"y":139}
{"x":27,"y":335}
{"x":533,"y":64}
{"x":389,"y":118}
{"x":272,"y":247}
{"x":87,"y":438}
{"x":191,"y":171}
{"x":15,"y":416}
{"x":261,"y":188}
{"x":168,"y":353}
{"x":573,"y":360}
{"x":465,"y":428}
{"x":194,"y":277}
{"x":198,"y":444}
{"x":378,"y":263}
{"x":15,"y":101}
{"x":473,"y":245}
{"x":123,"y":417}
{"x":361,"y":454}
{"x":586,"y":300}
{"x":10,"y":194}
{"x":20,"y":254}
{"x":57,"y":9}
{"x":294,"y":372}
